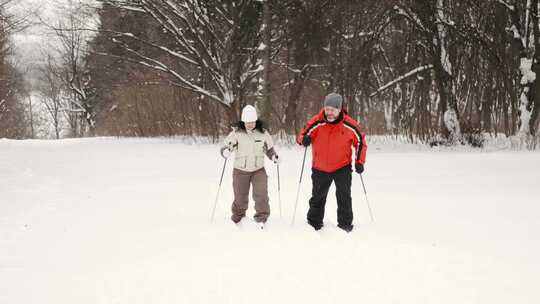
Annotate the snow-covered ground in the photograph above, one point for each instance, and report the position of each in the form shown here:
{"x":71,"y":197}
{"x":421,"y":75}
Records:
{"x":128,"y":221}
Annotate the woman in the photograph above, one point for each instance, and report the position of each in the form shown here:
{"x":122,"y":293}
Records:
{"x":250,"y":142}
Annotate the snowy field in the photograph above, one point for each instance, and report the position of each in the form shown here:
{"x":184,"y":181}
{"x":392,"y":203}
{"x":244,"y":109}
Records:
{"x":128,"y":221}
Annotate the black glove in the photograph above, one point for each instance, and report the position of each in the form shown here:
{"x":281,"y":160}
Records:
{"x":359,"y":168}
{"x":306,"y":141}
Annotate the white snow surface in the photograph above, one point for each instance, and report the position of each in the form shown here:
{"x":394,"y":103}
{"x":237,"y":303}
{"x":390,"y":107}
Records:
{"x":108,"y":220}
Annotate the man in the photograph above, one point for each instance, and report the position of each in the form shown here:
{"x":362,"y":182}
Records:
{"x":333,"y":133}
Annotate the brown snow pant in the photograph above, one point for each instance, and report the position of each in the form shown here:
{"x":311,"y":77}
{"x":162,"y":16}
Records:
{"x":241,"y":184}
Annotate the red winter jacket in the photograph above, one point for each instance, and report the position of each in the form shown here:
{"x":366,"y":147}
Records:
{"x":332,"y":141}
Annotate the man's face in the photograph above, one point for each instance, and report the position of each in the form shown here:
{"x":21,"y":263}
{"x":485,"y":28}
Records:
{"x":331,"y":113}
{"x":250,"y":125}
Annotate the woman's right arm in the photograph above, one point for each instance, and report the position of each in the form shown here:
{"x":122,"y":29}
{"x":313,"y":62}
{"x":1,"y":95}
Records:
{"x":229,"y":145}
{"x":231,"y":142}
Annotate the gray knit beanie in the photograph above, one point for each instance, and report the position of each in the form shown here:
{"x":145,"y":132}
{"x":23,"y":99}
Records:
{"x":333,"y":100}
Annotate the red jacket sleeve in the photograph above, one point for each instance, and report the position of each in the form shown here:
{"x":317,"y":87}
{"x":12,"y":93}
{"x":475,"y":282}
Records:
{"x":361,"y":157}
{"x":359,"y":140}
{"x":309,"y":129}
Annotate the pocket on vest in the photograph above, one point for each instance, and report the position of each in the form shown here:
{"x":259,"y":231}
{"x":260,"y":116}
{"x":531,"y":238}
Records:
{"x":259,"y":161}
{"x":241,"y":162}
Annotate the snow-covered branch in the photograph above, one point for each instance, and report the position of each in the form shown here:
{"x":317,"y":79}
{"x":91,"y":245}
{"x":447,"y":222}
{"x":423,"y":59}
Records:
{"x":160,"y":47}
{"x":71,"y":110}
{"x":206,"y":42}
{"x":300,"y":70}
{"x":411,"y":16}
{"x":506,"y":4}
{"x":122,"y":4}
{"x":401,"y":78}
{"x":162,"y":67}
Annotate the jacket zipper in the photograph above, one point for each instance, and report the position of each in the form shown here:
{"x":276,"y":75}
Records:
{"x":328,"y":147}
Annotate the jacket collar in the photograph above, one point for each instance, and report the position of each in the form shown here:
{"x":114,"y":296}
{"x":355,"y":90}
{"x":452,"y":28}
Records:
{"x":339,"y":119}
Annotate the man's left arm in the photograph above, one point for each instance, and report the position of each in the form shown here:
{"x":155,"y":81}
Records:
{"x":360,"y":145}
{"x":361,"y":151}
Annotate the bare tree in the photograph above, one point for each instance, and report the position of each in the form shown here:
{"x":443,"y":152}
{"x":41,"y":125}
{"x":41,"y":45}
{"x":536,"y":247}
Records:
{"x":431,"y":20}
{"x":13,"y":114}
{"x":211,"y":48}
{"x":72,"y":69}
{"x":51,"y":94}
{"x":440,"y":69}
{"x":266,"y":48}
{"x":524,"y":28}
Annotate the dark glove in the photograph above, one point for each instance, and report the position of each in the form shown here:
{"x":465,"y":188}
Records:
{"x":359,"y":168}
{"x":306,"y":141}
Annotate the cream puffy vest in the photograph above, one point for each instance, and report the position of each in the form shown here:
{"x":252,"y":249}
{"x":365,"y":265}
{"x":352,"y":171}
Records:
{"x":249,"y":148}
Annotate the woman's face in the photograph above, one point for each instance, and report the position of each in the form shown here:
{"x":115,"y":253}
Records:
{"x":250,"y":125}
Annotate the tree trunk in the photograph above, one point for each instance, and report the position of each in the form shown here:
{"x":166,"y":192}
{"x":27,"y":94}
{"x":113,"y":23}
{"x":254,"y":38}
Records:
{"x":533,"y":102}
{"x":443,"y":69}
{"x":266,"y":107}
{"x":297,"y":86}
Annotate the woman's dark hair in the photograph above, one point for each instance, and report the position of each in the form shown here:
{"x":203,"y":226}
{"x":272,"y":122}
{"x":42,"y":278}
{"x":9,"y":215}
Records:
{"x":259,"y":125}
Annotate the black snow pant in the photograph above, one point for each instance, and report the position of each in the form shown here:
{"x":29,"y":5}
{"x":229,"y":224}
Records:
{"x":321,"y":183}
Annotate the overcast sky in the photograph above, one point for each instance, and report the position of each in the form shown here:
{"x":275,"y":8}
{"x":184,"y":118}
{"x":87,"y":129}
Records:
{"x":31,"y":45}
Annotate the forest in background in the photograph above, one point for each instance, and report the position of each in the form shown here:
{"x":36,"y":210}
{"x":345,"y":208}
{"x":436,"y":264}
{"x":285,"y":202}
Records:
{"x":435,"y":71}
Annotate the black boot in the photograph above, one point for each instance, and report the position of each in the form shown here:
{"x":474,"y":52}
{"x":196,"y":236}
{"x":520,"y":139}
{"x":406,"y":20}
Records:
{"x":347,"y":228}
{"x":315,"y":226}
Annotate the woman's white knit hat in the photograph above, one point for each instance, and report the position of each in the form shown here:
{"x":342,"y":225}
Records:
{"x":249,"y":114}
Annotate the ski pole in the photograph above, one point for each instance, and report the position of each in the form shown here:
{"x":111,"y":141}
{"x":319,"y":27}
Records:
{"x":367,"y":200}
{"x":279,"y":191}
{"x":299,"y":183}
{"x":219,"y":189}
